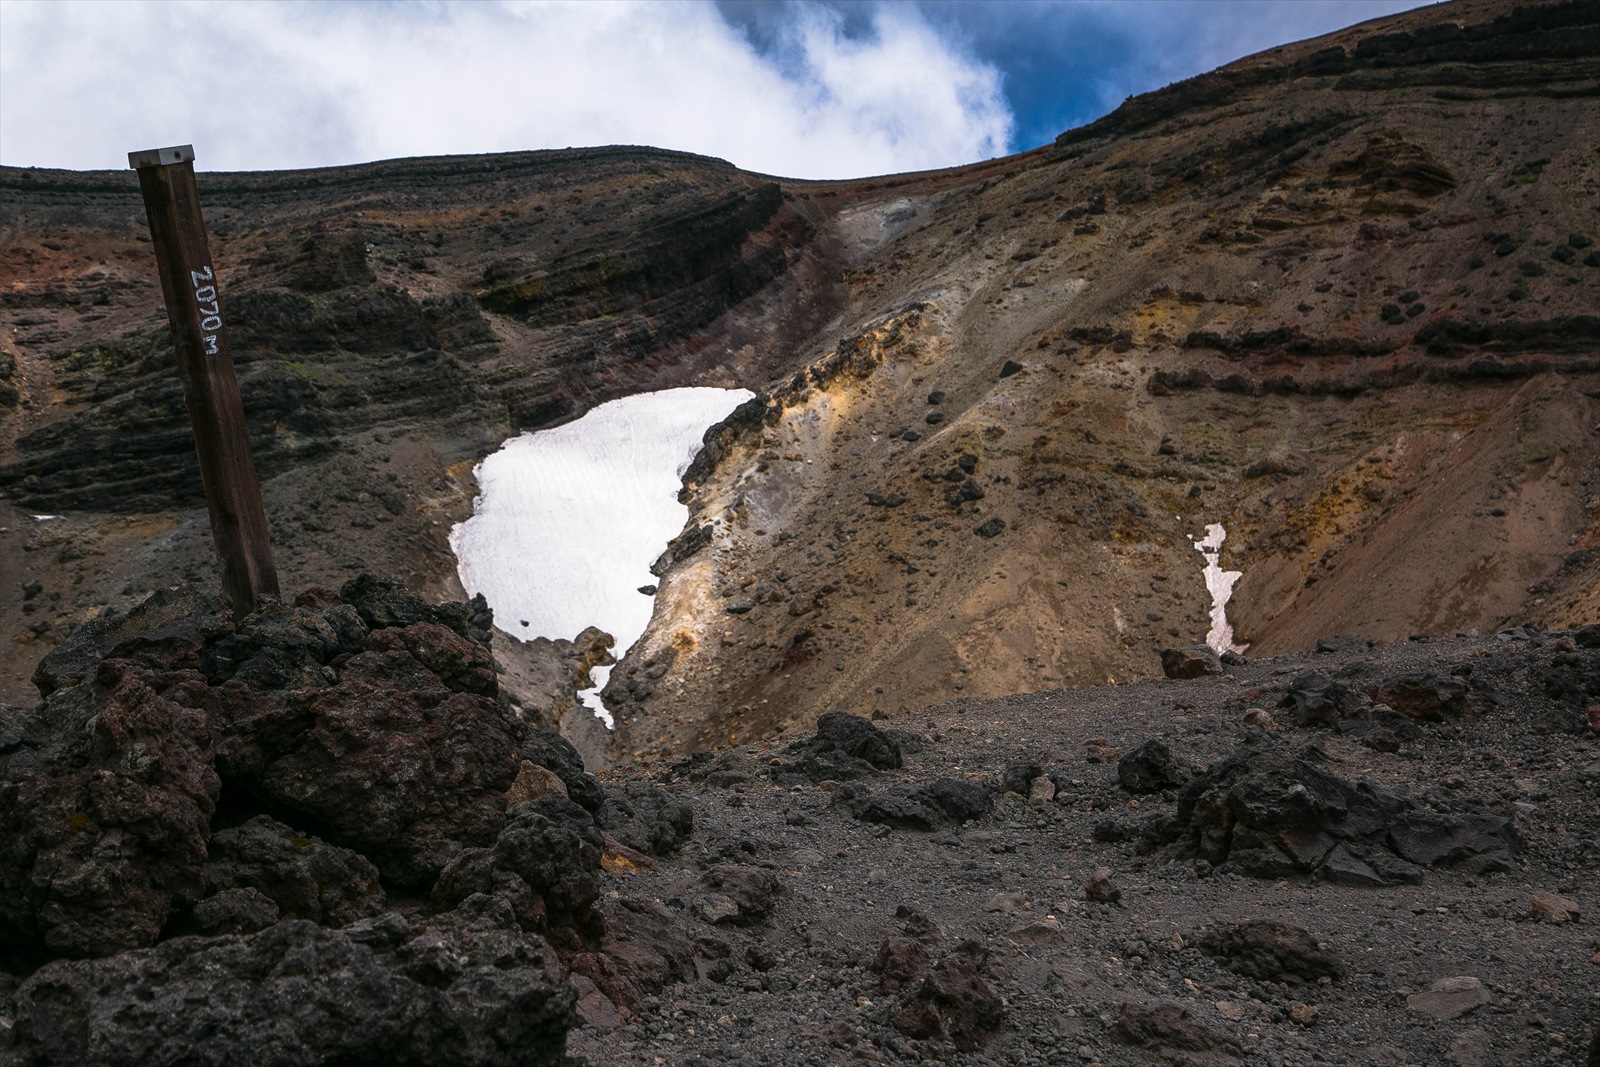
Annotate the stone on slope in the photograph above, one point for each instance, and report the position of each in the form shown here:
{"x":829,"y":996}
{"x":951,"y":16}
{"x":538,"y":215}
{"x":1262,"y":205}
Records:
{"x":1268,"y":813}
{"x":1264,"y":949}
{"x":1170,"y":1029}
{"x":646,"y":818}
{"x":1193,"y":662}
{"x":951,"y":1002}
{"x":107,"y":799}
{"x":545,"y":864}
{"x":845,"y":746}
{"x":925,"y":806}
{"x":390,"y":760}
{"x":1450,"y":998}
{"x":1150,"y":768}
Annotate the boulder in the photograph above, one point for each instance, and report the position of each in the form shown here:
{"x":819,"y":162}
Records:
{"x":545,"y":863}
{"x":646,"y":818}
{"x":1269,"y":813}
{"x":389,"y":761}
{"x":1450,"y":998}
{"x":928,"y":806}
{"x":1422,"y":696}
{"x":845,"y":746}
{"x":1170,"y":1029}
{"x":1196,"y":661}
{"x":951,"y":1002}
{"x":107,"y":797}
{"x":1150,"y":768}
{"x":1271,"y":951}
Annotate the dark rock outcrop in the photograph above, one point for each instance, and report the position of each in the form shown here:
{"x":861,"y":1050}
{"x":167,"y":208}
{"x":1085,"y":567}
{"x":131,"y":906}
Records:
{"x":545,"y":863}
{"x":951,"y":1002}
{"x":1150,"y":768}
{"x":298,"y":993}
{"x":926,"y":806}
{"x":1267,"y":813}
{"x":303,"y":877}
{"x":1194,"y":662}
{"x":845,"y":746}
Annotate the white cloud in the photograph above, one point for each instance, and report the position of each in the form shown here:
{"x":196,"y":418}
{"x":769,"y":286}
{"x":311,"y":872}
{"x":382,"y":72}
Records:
{"x":275,"y":85}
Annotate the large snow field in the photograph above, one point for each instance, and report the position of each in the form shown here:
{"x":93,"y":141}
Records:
{"x":568,"y":520}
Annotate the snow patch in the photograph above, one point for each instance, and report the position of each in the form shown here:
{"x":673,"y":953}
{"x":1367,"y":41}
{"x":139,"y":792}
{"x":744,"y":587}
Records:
{"x":1219,"y":583}
{"x":568,"y":520}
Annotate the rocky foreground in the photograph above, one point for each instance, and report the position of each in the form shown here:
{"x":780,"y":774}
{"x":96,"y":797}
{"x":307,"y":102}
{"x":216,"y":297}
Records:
{"x":322,"y":836}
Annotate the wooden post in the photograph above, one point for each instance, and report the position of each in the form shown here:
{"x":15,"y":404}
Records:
{"x":189,"y":286}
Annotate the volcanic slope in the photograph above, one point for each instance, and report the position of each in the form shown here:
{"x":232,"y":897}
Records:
{"x":1342,"y":297}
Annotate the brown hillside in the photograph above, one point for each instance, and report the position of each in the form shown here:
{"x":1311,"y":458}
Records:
{"x":1342,"y":296}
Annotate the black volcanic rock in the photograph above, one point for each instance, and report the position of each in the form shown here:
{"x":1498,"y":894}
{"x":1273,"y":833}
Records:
{"x":1269,"y":950}
{"x":845,"y":746}
{"x":298,"y":993}
{"x":928,"y":806}
{"x":107,"y":794}
{"x":1268,"y":813}
{"x":304,"y":877}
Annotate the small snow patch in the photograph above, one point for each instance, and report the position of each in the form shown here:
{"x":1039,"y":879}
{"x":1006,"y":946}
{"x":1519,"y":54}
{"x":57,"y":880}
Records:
{"x":1220,"y":585}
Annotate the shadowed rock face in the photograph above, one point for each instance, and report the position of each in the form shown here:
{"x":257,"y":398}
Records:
{"x":186,"y":772}
{"x":300,"y":993}
{"x":1338,"y":297}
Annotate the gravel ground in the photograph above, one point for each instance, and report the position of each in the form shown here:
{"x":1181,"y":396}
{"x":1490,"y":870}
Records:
{"x":978,"y":941}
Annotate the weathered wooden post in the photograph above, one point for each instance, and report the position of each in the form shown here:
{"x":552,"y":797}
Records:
{"x":189,"y":286}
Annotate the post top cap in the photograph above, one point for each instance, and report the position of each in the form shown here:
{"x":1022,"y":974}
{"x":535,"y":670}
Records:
{"x":160,"y":157}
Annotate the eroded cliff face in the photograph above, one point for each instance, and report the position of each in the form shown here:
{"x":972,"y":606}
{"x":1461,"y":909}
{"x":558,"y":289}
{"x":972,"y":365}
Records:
{"x":1342,"y":297}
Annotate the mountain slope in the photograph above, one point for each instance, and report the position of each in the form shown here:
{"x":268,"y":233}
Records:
{"x":1342,"y":297}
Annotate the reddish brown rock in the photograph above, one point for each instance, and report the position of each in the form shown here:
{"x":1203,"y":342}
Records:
{"x":107,"y":807}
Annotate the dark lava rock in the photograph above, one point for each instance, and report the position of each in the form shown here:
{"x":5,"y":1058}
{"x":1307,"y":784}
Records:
{"x":990,"y":527}
{"x":644,"y":949}
{"x":384,"y":602}
{"x":899,"y":961}
{"x":303,"y":876}
{"x":390,"y":761}
{"x":926,"y":806}
{"x":545,"y":864}
{"x":556,"y":754}
{"x":952,"y":1002}
{"x":1320,"y":701}
{"x":168,"y":630}
{"x":279,"y":646}
{"x":1194,"y":662}
{"x":298,"y":993}
{"x":646,"y":818}
{"x":371,"y":724}
{"x":462,"y":665}
{"x":1268,"y":813}
{"x":236,"y":911}
{"x":1269,"y":950}
{"x":1425,"y":697}
{"x":1018,"y":777}
{"x":1168,"y":1027}
{"x":106,"y":797}
{"x":754,"y":891}
{"x":1150,"y":768}
{"x":845,"y":746}
{"x":1010,"y":367}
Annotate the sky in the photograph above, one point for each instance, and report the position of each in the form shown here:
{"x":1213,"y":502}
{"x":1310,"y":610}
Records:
{"x":798,"y":88}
